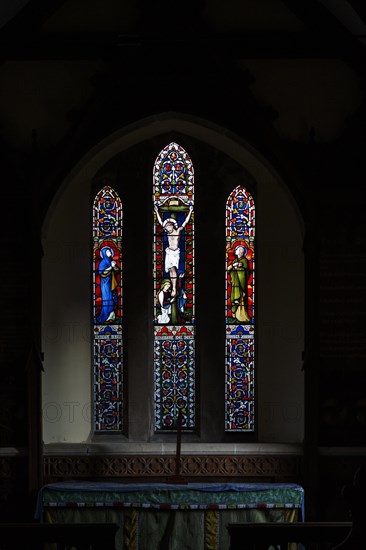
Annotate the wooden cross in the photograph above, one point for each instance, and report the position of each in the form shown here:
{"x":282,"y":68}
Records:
{"x":177,"y":478}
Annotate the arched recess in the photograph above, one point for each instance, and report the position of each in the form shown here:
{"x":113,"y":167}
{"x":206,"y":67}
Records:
{"x":222,"y":161}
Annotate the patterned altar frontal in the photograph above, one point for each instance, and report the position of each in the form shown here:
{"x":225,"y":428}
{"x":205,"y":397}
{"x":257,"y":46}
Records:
{"x":173,"y":517}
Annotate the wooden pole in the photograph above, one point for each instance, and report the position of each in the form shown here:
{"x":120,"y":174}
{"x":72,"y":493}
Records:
{"x":177,"y":478}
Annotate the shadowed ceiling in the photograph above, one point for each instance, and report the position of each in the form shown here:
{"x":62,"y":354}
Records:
{"x":305,"y":65}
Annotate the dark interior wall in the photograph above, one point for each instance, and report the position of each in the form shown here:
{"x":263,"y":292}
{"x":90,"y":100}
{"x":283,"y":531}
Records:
{"x":330,"y":178}
{"x":305,"y":113}
{"x":20,"y":300}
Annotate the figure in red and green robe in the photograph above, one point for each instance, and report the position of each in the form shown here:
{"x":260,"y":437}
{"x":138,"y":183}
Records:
{"x":239,"y":273}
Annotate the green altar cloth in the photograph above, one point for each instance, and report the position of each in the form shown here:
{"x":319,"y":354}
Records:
{"x":160,"y":516}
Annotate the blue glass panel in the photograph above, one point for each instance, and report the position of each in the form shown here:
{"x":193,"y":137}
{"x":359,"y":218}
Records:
{"x":107,"y":311}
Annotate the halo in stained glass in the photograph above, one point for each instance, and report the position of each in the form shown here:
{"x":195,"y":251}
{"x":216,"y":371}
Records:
{"x":107,"y":312}
{"x":174,"y":307}
{"x":239,"y":312}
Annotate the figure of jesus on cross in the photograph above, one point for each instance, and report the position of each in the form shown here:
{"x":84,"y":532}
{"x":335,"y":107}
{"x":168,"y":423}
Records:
{"x":172,"y":251}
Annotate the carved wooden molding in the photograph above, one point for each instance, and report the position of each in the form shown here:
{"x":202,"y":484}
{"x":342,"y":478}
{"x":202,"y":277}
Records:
{"x":137,"y":466}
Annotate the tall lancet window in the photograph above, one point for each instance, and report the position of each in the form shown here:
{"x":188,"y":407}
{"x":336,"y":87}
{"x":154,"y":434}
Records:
{"x":107,"y":311}
{"x":173,"y":256}
{"x":240,"y":326}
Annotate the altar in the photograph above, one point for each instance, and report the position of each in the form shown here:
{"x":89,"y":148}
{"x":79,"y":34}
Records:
{"x":160,"y":516}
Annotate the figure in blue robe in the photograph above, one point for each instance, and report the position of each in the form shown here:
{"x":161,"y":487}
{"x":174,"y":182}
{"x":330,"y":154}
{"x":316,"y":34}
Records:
{"x":108,"y":285}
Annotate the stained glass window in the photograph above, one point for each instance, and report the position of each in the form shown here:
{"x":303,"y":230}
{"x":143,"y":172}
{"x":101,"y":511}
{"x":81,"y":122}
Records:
{"x":107,"y":311}
{"x":239,"y":298}
{"x":173,"y":257}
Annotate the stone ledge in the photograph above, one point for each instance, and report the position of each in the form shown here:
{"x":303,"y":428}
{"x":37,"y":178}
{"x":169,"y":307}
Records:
{"x":123,"y":448}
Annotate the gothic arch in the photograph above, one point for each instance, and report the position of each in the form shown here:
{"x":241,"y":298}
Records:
{"x":280,"y":314}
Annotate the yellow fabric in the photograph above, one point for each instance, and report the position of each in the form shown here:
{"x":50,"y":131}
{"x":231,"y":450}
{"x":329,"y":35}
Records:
{"x":211,"y":529}
{"x":291,"y":515}
{"x":49,"y":517}
{"x":130,"y":530}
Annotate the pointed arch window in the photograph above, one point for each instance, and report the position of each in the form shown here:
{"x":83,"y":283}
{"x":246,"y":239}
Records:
{"x":174,"y":289}
{"x":239,"y":311}
{"x":107,"y":312}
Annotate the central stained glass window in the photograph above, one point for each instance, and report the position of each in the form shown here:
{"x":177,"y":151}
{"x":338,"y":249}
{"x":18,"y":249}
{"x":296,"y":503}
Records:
{"x":174,"y":289}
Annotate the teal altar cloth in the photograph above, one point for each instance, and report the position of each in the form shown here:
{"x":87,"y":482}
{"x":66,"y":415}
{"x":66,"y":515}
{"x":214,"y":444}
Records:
{"x":159,"y":516}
